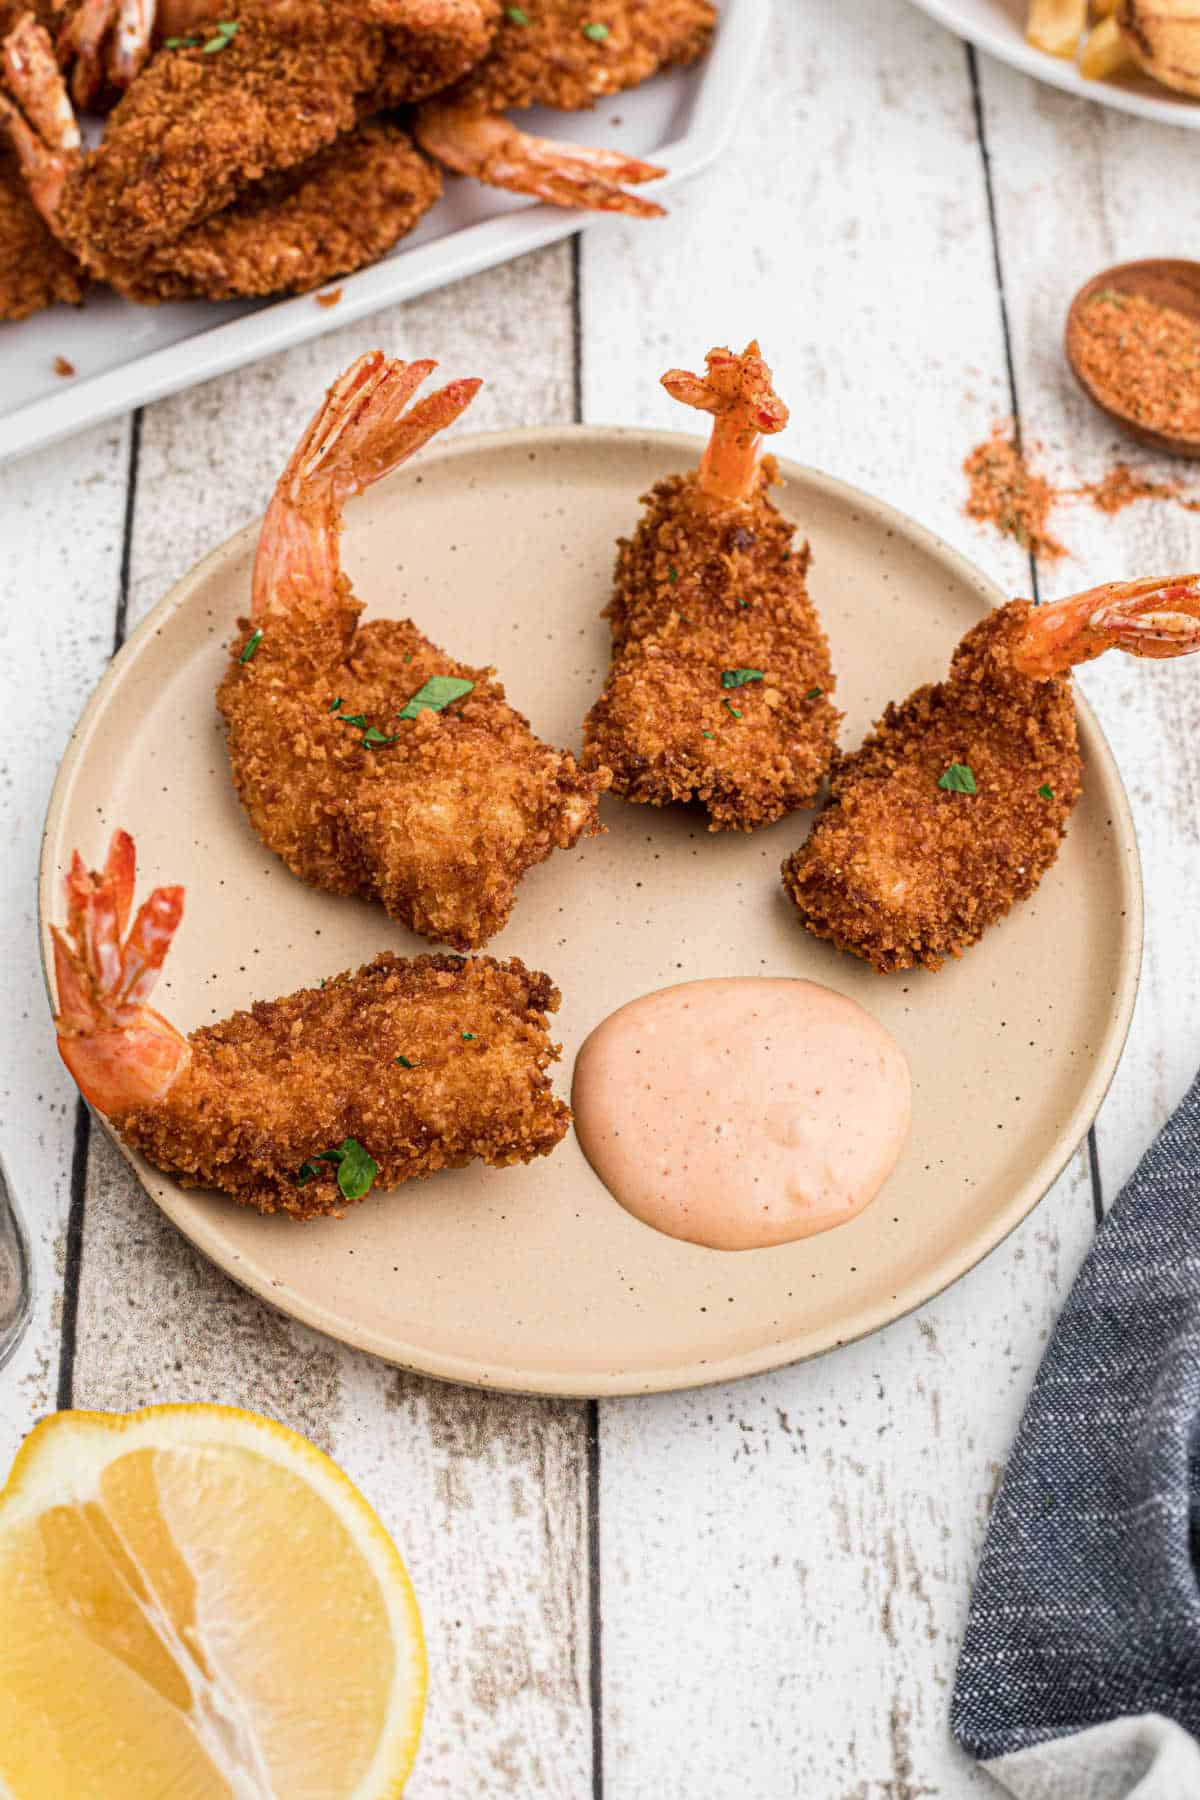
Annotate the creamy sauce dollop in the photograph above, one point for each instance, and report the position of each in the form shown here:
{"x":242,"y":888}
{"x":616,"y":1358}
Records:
{"x":743,"y":1112}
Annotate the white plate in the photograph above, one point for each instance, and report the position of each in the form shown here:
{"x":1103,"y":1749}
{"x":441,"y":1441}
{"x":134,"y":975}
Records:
{"x":126,"y":355}
{"x":998,"y":26}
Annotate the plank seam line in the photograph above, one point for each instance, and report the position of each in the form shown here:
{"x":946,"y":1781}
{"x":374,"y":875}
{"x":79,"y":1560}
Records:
{"x":1093,"y":1148}
{"x":595,"y":1665}
{"x":73,"y":1258}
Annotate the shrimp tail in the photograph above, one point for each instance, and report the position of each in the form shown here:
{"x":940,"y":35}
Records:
{"x":121,"y":1053}
{"x":489,"y":147}
{"x":1156,"y":617}
{"x":737,"y":391}
{"x":363,"y":430}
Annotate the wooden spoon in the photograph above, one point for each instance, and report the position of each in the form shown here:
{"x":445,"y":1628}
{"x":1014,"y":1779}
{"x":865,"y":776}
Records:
{"x":1167,"y":281}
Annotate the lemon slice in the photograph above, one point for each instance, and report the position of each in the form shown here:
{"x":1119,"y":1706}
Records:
{"x":196,"y":1603}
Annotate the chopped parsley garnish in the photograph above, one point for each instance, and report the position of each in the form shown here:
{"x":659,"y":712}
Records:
{"x":672,"y":574}
{"x":438,"y":692}
{"x":335,"y":705}
{"x":469,"y":1036}
{"x":706,"y":734}
{"x":1046,"y":791}
{"x":354,"y":719}
{"x":252,"y":643}
{"x":596,"y":32}
{"x":958,"y":779}
{"x":224,"y":30}
{"x":743,"y":604}
{"x":736,"y":678}
{"x":374,"y":739}
{"x":730,"y":707}
{"x":814,"y":693}
{"x":405,"y":1064}
{"x":516,"y":15}
{"x":356,"y":1169}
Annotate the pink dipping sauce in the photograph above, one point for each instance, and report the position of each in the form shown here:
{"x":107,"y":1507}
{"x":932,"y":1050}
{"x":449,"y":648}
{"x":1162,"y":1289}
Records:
{"x":744,"y":1112}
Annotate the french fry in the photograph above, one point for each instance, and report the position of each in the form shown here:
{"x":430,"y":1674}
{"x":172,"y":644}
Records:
{"x":1056,"y":26}
{"x":1105,"y":52}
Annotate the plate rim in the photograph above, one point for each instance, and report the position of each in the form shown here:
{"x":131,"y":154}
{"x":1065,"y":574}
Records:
{"x":1060,"y":74}
{"x":466,"y":1371}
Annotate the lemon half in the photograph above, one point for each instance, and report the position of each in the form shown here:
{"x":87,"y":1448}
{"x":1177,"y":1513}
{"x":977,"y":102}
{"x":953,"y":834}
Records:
{"x":196,"y":1603}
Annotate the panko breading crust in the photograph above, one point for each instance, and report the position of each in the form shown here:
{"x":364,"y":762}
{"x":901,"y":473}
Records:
{"x":270,"y":1089}
{"x":905,"y":873}
{"x":441,"y":825}
{"x":35,"y":270}
{"x":548,"y":58}
{"x":341,"y":210}
{"x":700,"y":590}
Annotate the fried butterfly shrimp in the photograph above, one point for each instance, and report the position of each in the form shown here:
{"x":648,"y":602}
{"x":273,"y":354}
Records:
{"x":342,"y":209}
{"x":197,"y":128}
{"x":560,"y":54}
{"x":35,"y":269}
{"x":956,"y":804}
{"x":367,"y":758}
{"x":302,"y":1104}
{"x":720,"y":684}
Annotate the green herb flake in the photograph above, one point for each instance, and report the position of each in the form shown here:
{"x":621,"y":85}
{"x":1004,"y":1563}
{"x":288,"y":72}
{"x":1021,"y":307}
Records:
{"x":468,"y":1037}
{"x":958,"y":779}
{"x":1046,"y":791}
{"x":814,"y":693}
{"x":226,"y":31}
{"x":730,"y":707}
{"x":742,"y":605}
{"x":596,"y":32}
{"x":336,"y":705}
{"x":706,"y":734}
{"x":517,"y":16}
{"x":358,"y":719}
{"x":438,"y":693}
{"x":374,"y":739}
{"x":405,"y":1064}
{"x":252,"y":643}
{"x":672,"y":574}
{"x":183,"y":43}
{"x":356,"y":1169}
{"x":736,"y":678}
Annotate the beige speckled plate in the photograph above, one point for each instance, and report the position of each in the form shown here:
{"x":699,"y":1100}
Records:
{"x":533,"y":1278}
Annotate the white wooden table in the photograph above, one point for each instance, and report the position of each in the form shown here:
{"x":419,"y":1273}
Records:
{"x":755,"y":1590}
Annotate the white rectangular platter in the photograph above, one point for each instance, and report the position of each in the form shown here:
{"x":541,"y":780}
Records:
{"x":125,"y":355}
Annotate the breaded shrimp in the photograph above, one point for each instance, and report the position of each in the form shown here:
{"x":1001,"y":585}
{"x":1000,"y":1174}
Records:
{"x":371,"y":761}
{"x":340,"y":211}
{"x":35,"y":269}
{"x":720,"y":685}
{"x":564,"y":54}
{"x":956,"y":804}
{"x":200,"y":125}
{"x":302,"y":1104}
{"x":343,"y":208}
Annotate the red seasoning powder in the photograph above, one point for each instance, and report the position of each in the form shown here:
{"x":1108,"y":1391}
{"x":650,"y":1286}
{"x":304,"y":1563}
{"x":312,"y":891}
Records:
{"x":1006,"y":492}
{"x":1144,"y":358}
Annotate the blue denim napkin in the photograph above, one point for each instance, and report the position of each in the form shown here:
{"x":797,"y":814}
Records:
{"x":1087,"y":1604}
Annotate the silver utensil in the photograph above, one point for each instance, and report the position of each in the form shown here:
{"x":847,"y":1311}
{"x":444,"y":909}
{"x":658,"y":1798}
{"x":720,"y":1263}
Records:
{"x":16,"y":1275}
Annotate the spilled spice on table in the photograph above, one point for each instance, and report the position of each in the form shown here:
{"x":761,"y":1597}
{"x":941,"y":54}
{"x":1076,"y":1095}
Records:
{"x":1143,"y":357}
{"x":1007,"y":493}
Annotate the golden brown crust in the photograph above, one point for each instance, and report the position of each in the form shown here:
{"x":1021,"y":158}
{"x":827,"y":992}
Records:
{"x":336,"y":213}
{"x":551,"y":60}
{"x":699,"y":590}
{"x":194,"y":130}
{"x":440,"y":825}
{"x":270,"y":1089}
{"x":905,"y":873}
{"x":35,"y":270}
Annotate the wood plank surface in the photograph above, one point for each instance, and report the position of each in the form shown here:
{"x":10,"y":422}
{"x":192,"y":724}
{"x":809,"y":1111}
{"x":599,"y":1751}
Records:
{"x":786,"y":1562}
{"x":775,"y":1573}
{"x":486,"y":1495}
